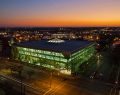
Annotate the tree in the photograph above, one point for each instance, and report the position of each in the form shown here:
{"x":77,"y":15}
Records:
{"x":30,"y":73}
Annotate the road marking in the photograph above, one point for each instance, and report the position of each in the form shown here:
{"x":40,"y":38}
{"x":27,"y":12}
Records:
{"x":55,"y":89}
{"x":52,"y":93}
{"x":47,"y":91}
{"x":35,"y":89}
{"x":111,"y":91}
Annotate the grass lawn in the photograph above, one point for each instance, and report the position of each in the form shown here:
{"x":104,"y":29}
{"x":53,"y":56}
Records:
{"x":2,"y":92}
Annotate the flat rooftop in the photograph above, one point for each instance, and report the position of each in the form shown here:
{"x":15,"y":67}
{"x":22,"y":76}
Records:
{"x":69,"y":46}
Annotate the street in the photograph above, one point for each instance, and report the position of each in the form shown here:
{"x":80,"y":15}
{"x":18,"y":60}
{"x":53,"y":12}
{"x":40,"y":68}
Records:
{"x":98,"y":76}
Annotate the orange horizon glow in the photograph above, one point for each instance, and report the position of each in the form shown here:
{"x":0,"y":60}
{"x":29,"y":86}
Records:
{"x":62,"y":23}
{"x":72,"y":13}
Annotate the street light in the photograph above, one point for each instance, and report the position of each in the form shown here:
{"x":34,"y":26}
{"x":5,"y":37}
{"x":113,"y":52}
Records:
{"x":22,"y":86}
{"x":51,"y":75}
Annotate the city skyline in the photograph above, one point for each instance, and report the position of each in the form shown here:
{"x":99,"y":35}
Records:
{"x":73,"y":13}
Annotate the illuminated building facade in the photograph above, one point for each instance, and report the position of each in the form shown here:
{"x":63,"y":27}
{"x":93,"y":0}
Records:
{"x":64,"y":56}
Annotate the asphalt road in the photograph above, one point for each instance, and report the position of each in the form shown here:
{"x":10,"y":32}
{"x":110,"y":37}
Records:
{"x":64,"y":87}
{"x":95,"y":77}
{"x":17,"y":87}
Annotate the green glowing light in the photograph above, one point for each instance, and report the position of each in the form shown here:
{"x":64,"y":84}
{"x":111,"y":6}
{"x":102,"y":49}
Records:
{"x":53,"y":60}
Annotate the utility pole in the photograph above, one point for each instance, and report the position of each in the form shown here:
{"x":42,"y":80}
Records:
{"x":21,"y":83}
{"x":51,"y":76}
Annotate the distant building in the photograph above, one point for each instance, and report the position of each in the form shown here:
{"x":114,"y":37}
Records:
{"x":5,"y":49}
{"x":63,"y":35}
{"x":62,"y":55}
{"x":116,"y":44}
{"x":116,"y":52}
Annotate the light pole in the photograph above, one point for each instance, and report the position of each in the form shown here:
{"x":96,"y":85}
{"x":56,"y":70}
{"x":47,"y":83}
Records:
{"x":51,"y":75}
{"x":22,"y":86}
{"x":117,"y":77}
{"x":21,"y":82}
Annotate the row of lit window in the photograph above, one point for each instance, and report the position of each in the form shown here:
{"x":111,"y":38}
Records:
{"x":44,"y":56}
{"x":37,"y":60}
{"x":36,"y":54}
{"x":40,"y":51}
{"x":80,"y":51}
{"x":83,"y":54}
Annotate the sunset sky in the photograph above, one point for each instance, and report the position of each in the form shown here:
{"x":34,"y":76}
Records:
{"x":60,"y":13}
